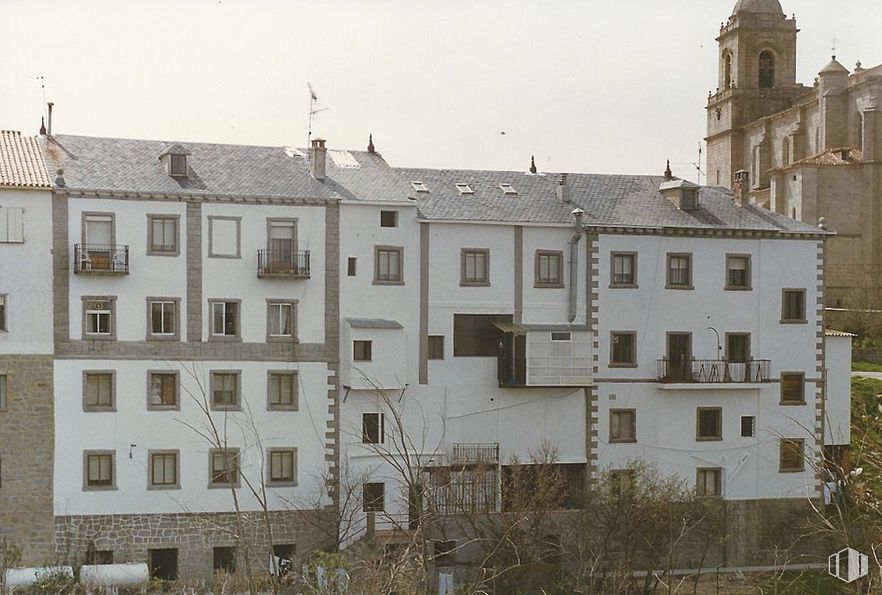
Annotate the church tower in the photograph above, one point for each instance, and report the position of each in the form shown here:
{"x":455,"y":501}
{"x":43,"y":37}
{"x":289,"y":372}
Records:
{"x":757,"y":77}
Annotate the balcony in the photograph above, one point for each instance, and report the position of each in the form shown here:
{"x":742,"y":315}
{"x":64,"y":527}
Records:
{"x":475,"y":453}
{"x":713,"y":371}
{"x":282,"y":264}
{"x":101,"y":259}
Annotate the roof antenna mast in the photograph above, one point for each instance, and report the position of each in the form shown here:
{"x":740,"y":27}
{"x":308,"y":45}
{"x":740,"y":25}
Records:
{"x":698,"y":166}
{"x":313,"y":99}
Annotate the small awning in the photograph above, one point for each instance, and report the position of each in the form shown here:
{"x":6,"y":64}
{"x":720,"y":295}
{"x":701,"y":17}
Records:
{"x":511,"y":327}
{"x":374,"y":323}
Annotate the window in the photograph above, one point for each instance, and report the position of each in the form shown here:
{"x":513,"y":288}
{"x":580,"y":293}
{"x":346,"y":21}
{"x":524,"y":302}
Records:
{"x":678,"y":362}
{"x":623,"y":425}
{"x":225,"y":319}
{"x":748,"y":426}
{"x":162,"y":235}
{"x":373,"y":496}
{"x":727,"y":71}
{"x":420,"y":186}
{"x":709,"y":423}
{"x":2,"y":392}
{"x":224,"y":234}
{"x":11,"y":225}
{"x":624,"y":269}
{"x":464,"y":188}
{"x":562,"y":337}
{"x":284,"y":557}
{"x":280,"y":320}
{"x":792,"y":388}
{"x":282,"y":466}
{"x":224,"y":559}
{"x":475,"y":267}
{"x":282,"y":391}
{"x":766,"y":70}
{"x":623,"y":349}
{"x":98,"y":391}
{"x":224,"y":467}
{"x":3,"y":312}
{"x":475,"y":335}
{"x":444,"y":552}
{"x":99,"y":470}
{"x":793,"y":305}
{"x":508,"y":189}
{"x":792,"y":455}
{"x":388,"y":218}
{"x":361,"y":351}
{"x":737,"y":271}
{"x":680,"y":271}
{"x":389,"y":269}
{"x":225,"y":390}
{"x":164,"y":469}
{"x":99,"y":317}
{"x":708,"y":481}
{"x":621,"y":481}
{"x":162,"y":390}
{"x":163,"y":318}
{"x":178,"y":165}
{"x":436,"y":347}
{"x":350,"y":266}
{"x":738,"y":347}
{"x":373,"y":428}
{"x":549,"y":268}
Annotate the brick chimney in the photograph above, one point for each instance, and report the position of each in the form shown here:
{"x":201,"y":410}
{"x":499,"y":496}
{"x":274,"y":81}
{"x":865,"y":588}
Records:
{"x":317,"y":158}
{"x":741,"y":187}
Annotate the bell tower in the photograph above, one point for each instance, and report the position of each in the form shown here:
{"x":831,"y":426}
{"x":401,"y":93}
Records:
{"x":757,"y":77}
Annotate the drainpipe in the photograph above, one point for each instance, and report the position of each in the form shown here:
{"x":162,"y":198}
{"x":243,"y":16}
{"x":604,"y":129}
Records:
{"x":574,"y":262}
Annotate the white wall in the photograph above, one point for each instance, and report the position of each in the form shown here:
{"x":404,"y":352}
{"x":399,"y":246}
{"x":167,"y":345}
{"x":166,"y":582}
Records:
{"x":838,"y":413}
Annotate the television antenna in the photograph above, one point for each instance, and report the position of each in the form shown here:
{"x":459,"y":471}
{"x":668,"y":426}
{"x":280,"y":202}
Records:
{"x":313,"y":100}
{"x":698,"y":165}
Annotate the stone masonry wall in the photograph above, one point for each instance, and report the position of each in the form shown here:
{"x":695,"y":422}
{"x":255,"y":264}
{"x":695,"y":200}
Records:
{"x":27,"y":439}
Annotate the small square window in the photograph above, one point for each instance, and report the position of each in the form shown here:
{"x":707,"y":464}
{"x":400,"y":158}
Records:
{"x":373,"y":428}
{"x":224,"y":559}
{"x":420,"y":186}
{"x":792,"y":388}
{"x":225,"y":319}
{"x":388,"y":218}
{"x":162,"y":390}
{"x":679,"y":271}
{"x":164,"y":469}
{"x":389,"y":265}
{"x":178,"y":165}
{"x":98,"y":391}
{"x":350,"y":266}
{"x":793,"y":305}
{"x":99,"y":472}
{"x":373,"y":497}
{"x":748,"y":426}
{"x":162,"y":235}
{"x":436,"y":346}
{"x":508,"y":189}
{"x":792,"y":455}
{"x":549,"y":268}
{"x":737,"y":271}
{"x":464,"y":188}
{"x":475,"y":267}
{"x":225,"y":390}
{"x":280,"y":321}
{"x":282,"y":391}
{"x":623,"y":349}
{"x":623,"y":425}
{"x":709,"y":481}
{"x":282,"y":466}
{"x":709,"y":423}
{"x":562,"y":337}
{"x":624,"y":269}
{"x":224,"y":467}
{"x":361,"y":351}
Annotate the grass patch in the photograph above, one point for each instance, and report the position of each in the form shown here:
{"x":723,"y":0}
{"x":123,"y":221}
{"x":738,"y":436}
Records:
{"x":805,"y":582}
{"x":866,"y":367}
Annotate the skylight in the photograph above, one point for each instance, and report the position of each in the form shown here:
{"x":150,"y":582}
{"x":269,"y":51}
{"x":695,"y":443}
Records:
{"x":420,"y":186}
{"x":508,"y":189}
{"x":464,"y":188}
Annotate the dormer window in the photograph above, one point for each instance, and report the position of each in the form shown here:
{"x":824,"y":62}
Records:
{"x":420,"y":186}
{"x":508,"y":189}
{"x":464,"y":188}
{"x":177,"y":165}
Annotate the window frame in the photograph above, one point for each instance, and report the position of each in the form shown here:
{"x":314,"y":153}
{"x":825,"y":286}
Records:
{"x":752,"y":421}
{"x":284,"y":450}
{"x":176,"y":319}
{"x":211,"y":252}
{"x":85,"y":216}
{"x":613,"y":284}
{"x":718,"y":482}
{"x":87,"y":487}
{"x":399,"y":280}
{"x":386,"y":213}
{"x":465,"y":253}
{"x":618,"y":439}
{"x":689,"y":269}
{"x":295,"y":392}
{"x":151,"y":246}
{"x":784,"y":318}
{"x":238,"y":322}
{"x":236,"y":456}
{"x":180,"y":159}
{"x":371,"y":505}
{"x":792,"y":402}
{"x":432,"y":350}
{"x":718,"y":411}
{"x":237,"y":375}
{"x":558,"y":255}
{"x":99,"y":408}
{"x":351,"y":266}
{"x":727,"y":352}
{"x":92,"y":300}
{"x":796,"y":443}
{"x":150,"y":475}
{"x":270,"y":305}
{"x":612,"y":343}
{"x":364,"y":342}
{"x":748,"y":286}
{"x":381,"y":427}
{"x":4,"y":311}
{"x":162,"y":407}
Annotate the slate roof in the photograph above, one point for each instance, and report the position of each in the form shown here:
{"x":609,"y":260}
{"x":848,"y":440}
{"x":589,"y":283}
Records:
{"x":125,"y":165}
{"x":21,"y":162}
{"x":373,"y":180}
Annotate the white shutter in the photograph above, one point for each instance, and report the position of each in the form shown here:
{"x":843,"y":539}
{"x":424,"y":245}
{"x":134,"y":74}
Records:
{"x":15,"y":224}
{"x":4,"y":237}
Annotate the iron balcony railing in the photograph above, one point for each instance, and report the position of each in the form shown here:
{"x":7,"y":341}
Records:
{"x":283,"y":263}
{"x":472,"y":453}
{"x":713,"y":371}
{"x":105,"y":259}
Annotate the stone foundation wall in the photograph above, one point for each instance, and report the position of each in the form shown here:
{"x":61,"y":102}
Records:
{"x":194,"y":535}
{"x":27,"y":438}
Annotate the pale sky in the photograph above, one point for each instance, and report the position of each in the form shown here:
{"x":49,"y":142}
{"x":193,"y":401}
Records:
{"x":601,"y":86}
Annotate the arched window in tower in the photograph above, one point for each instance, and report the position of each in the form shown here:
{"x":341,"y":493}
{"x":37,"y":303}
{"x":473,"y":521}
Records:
{"x":727,"y":71}
{"x":766,"y":70}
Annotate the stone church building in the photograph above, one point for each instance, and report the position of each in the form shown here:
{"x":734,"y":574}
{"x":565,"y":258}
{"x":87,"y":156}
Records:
{"x":809,"y":152}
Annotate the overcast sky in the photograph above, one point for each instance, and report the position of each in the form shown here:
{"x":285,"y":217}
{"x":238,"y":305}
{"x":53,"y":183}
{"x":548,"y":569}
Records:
{"x":605,"y":86}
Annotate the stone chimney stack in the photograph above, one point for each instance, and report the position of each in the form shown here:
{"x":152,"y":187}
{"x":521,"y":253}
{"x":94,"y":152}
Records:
{"x":741,"y":188}
{"x":317,"y":158}
{"x":563,"y":191}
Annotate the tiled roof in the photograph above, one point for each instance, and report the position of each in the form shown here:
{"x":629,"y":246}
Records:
{"x":21,"y":162}
{"x":853,"y":156}
{"x":834,"y":333}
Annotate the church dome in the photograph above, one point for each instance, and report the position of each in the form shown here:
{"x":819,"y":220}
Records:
{"x":768,"y":6}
